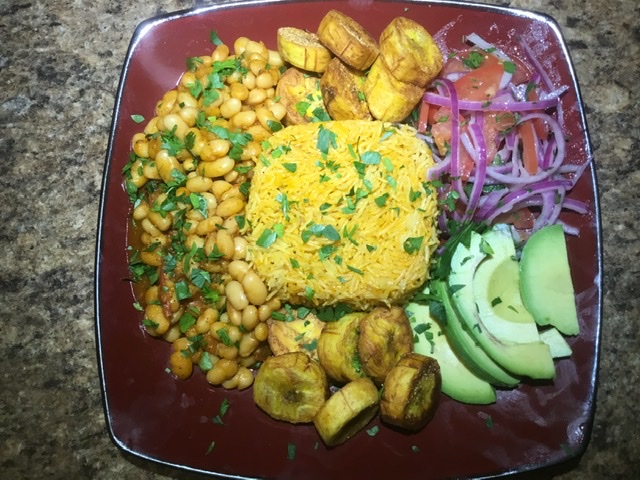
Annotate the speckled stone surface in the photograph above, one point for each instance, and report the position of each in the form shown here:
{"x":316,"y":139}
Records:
{"x":60,"y":63}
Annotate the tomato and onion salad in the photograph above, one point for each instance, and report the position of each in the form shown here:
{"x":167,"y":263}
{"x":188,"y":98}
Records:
{"x":496,"y":127}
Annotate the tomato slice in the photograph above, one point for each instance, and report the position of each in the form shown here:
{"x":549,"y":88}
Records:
{"x":440,"y":120}
{"x":423,"y":117}
{"x":481,"y":83}
{"x":529,"y":147}
{"x":494,"y":128}
{"x":541,"y":129}
{"x":466,"y":164}
{"x":521,"y":219}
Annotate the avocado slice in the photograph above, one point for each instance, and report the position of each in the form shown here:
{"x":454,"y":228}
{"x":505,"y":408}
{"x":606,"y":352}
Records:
{"x":496,"y":291}
{"x":557,"y":344}
{"x":466,"y":347}
{"x":533,"y":358}
{"x":458,"y":382}
{"x":545,"y":280}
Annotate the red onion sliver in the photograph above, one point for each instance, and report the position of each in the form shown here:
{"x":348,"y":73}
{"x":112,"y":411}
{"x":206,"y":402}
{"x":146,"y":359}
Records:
{"x":492,"y":106}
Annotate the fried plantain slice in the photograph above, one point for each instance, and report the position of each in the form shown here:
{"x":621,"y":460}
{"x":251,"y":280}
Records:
{"x":338,"y":348}
{"x":290,"y":387}
{"x":389,"y":99}
{"x":347,"y":411}
{"x":385,"y":336}
{"x":302,"y":49}
{"x":300,"y":95}
{"x":411,"y":392}
{"x":299,"y":335}
{"x":341,"y":88}
{"x":409,"y":52}
{"x":348,"y":40}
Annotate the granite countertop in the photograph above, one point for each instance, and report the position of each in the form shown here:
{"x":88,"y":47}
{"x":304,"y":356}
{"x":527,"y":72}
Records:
{"x":60,"y":63}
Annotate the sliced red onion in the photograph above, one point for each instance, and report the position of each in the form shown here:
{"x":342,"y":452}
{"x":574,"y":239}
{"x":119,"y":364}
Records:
{"x":505,"y":80}
{"x":544,"y":191}
{"x":455,"y":170}
{"x":568,"y":229}
{"x":547,"y":211}
{"x":480,"y":160}
{"x":576,"y":206}
{"x":440,"y":169}
{"x":480,"y":42}
{"x":537,"y":65}
{"x":507,"y":203}
{"x":555,"y":165}
{"x":492,"y":106}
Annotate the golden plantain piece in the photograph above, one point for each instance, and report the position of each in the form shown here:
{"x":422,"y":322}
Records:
{"x":348,"y":40}
{"x":338,"y":348}
{"x":341,"y":88}
{"x":290,"y":387}
{"x":411,"y":392}
{"x":297,"y":335}
{"x":410,"y":52}
{"x":385,"y":337}
{"x":302,"y":49}
{"x":389,"y":99}
{"x":300,"y":95}
{"x":347,"y":411}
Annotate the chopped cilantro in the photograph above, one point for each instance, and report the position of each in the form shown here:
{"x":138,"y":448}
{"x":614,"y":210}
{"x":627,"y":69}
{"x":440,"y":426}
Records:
{"x":326,"y":139}
{"x":199,"y":277}
{"x":223,"y":334}
{"x":412,"y":244}
{"x":509,"y":67}
{"x":373,"y":431}
{"x":186,"y":322}
{"x":214,"y":38}
{"x":274,"y":126}
{"x":371,"y":158}
{"x":327,"y":231}
{"x":193,"y":63}
{"x":284,"y":201}
{"x":211,"y":445}
{"x":224,"y":407}
{"x":291,"y":451}
{"x":381,"y":201}
{"x":240,"y":220}
{"x":150,"y":323}
{"x":171,"y":143}
{"x":356,"y":270}
{"x":267,"y":238}
{"x":199,"y":203}
{"x":205,"y":362}
{"x":473,"y":60}
{"x":182,"y":290}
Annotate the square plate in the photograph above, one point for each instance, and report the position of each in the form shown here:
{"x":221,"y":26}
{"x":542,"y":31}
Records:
{"x":154,"y":416}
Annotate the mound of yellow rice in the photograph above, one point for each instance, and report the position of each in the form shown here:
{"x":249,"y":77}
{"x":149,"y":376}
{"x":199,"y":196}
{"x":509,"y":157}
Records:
{"x":341,"y":212}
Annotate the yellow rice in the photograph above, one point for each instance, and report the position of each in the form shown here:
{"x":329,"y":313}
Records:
{"x":369,"y":187}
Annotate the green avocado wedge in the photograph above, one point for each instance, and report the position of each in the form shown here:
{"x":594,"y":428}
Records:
{"x":466,"y":347}
{"x":528,"y":358}
{"x":557,"y":344}
{"x":545,"y":280}
{"x":458,"y":382}
{"x":496,"y":291}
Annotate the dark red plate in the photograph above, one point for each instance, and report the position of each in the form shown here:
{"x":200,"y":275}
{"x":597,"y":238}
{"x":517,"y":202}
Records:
{"x":154,"y":416}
